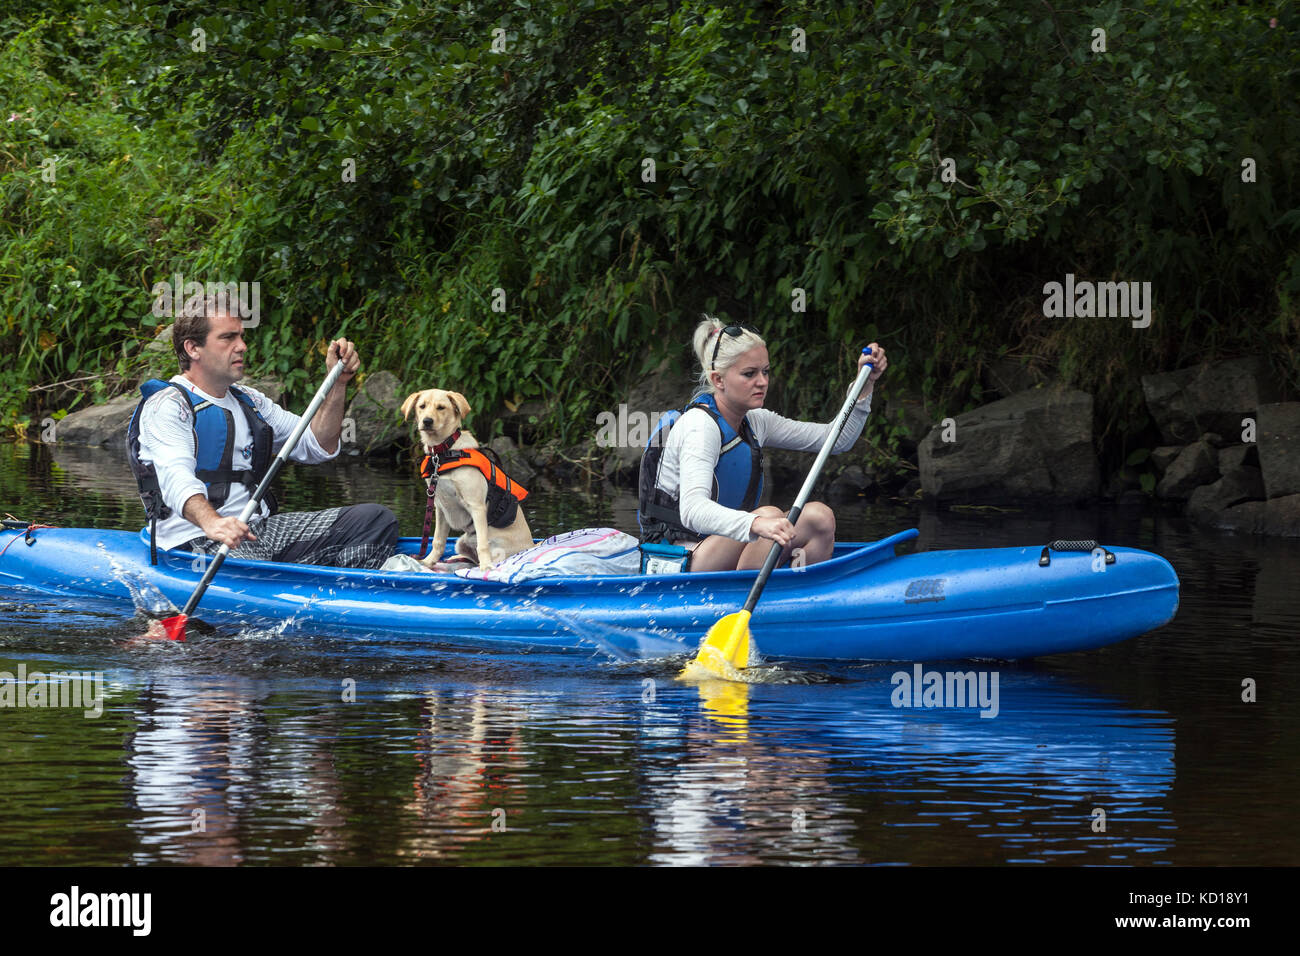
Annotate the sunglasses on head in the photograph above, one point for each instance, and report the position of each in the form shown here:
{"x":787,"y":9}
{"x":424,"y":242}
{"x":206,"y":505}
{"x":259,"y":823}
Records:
{"x":736,"y":330}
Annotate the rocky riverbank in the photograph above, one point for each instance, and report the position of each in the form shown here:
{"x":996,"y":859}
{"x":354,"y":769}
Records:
{"x":1229,"y":451}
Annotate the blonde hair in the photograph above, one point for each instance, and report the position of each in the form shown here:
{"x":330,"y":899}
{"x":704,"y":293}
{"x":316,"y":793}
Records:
{"x":731,"y":348}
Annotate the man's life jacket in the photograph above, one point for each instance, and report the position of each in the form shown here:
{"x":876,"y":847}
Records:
{"x":503,"y":495}
{"x":214,"y":447}
{"x":737,"y":478}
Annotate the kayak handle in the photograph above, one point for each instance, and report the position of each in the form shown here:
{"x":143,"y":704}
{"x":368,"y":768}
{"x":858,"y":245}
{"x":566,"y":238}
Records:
{"x":1045,"y":559}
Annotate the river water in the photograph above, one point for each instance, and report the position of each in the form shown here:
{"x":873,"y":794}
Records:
{"x":241,"y":748}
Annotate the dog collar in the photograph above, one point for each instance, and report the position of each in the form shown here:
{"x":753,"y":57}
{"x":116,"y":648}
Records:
{"x":439,"y":450}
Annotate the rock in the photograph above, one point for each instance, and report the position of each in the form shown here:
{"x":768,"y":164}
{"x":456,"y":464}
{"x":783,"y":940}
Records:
{"x":1235,"y":456}
{"x":850,"y":483}
{"x":1277,"y":516}
{"x":513,"y":460}
{"x":1216,"y":441}
{"x":668,"y":386}
{"x":621,"y":432}
{"x":98,"y":424}
{"x":1164,"y":456}
{"x":541,"y":457}
{"x":622,"y":464}
{"x":524,"y":424}
{"x":1008,"y":376}
{"x":376,"y":415}
{"x":1240,"y":484}
{"x":1127,"y":478}
{"x":1278,"y":435}
{"x":1213,"y":397}
{"x":783,"y":469}
{"x":272,"y":388}
{"x":907,"y":410}
{"x":161,"y":344}
{"x":575,"y":465}
{"x":1196,"y":465}
{"x":1036,"y":444}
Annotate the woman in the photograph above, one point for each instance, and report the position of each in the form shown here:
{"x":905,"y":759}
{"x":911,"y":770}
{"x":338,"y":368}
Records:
{"x":709,"y":476}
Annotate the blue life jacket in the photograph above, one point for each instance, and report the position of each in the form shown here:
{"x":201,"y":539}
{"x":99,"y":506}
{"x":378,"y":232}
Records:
{"x":214,"y":448}
{"x":737,"y":477}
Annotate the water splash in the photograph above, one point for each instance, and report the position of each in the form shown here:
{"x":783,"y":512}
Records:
{"x":146,"y":598}
{"x":621,"y":644}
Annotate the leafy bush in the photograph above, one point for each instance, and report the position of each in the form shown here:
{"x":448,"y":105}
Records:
{"x":775,"y":170}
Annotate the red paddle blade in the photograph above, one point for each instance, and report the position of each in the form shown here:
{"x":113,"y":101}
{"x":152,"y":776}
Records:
{"x":167,"y":629}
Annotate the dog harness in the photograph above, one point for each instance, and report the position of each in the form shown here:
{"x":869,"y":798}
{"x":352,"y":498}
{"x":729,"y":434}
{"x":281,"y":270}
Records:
{"x":214,"y":447}
{"x":503,"y":494}
{"x":737,"y":477}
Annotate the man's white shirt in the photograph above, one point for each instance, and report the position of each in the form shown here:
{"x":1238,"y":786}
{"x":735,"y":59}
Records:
{"x":167,"y":441}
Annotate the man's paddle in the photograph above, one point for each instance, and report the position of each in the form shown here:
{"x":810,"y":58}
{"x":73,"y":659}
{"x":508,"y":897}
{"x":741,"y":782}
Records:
{"x":173,"y":628}
{"x":726,"y":648}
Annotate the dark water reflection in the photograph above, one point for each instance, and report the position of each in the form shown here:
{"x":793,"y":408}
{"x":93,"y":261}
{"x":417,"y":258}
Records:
{"x":302,"y":749}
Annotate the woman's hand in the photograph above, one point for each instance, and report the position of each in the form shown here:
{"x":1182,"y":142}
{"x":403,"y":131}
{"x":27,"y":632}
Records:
{"x":876,"y":356}
{"x":779,"y":530}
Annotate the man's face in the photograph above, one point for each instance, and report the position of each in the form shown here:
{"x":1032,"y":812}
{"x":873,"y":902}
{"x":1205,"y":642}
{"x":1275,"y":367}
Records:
{"x":221,"y":357}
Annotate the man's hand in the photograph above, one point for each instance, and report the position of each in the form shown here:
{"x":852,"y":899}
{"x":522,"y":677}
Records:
{"x":341,"y":350}
{"x":228,"y":531}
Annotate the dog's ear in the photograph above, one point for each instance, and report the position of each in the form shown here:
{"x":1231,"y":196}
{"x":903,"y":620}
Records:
{"x":461,"y":404}
{"x":408,"y":405}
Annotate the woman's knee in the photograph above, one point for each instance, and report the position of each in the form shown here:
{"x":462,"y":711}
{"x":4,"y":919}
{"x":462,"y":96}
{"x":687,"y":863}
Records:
{"x":768,"y":511}
{"x":818,"y":519}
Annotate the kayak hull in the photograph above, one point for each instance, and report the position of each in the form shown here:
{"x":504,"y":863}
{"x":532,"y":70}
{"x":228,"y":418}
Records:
{"x":865,"y":603}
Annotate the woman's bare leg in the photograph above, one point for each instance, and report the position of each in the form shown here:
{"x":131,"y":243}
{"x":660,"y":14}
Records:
{"x":814,"y":532}
{"x":718,"y":553}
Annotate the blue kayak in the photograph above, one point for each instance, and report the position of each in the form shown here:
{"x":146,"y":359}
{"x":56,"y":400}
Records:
{"x":865,"y":603}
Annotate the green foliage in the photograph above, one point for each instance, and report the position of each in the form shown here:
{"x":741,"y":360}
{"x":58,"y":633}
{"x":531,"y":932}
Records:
{"x":774,"y":170}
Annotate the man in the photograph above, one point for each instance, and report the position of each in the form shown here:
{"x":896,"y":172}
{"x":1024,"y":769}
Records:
{"x":199,"y":447}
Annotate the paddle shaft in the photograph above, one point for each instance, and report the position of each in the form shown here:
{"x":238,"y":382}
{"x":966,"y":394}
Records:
{"x":264,"y":485}
{"x":806,"y":491}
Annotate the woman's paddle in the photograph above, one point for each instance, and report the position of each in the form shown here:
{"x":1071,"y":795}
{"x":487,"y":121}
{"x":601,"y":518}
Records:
{"x":173,"y":628}
{"x":726,"y":648}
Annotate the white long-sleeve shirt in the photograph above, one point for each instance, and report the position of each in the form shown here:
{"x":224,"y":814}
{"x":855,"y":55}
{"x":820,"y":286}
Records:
{"x":694,"y":445}
{"x":167,"y":441}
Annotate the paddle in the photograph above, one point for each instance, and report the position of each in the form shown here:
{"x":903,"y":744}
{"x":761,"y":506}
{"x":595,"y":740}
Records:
{"x":726,"y":647}
{"x":173,"y":628}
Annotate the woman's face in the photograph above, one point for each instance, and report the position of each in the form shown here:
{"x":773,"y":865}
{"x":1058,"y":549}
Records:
{"x":744,"y":384}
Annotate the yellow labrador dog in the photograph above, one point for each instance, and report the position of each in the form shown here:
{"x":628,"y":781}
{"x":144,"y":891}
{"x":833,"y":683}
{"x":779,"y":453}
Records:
{"x":461,"y":499}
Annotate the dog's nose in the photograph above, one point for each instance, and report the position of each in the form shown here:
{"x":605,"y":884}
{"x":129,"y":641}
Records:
{"x":426,"y":423}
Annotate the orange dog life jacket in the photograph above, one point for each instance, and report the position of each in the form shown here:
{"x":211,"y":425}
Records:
{"x":503,"y":495}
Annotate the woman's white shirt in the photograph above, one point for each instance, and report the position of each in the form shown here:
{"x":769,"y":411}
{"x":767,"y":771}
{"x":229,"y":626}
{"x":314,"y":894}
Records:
{"x":694,"y":445}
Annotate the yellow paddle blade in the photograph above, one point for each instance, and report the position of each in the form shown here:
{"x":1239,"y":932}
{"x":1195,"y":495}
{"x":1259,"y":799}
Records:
{"x":725,"y":650}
